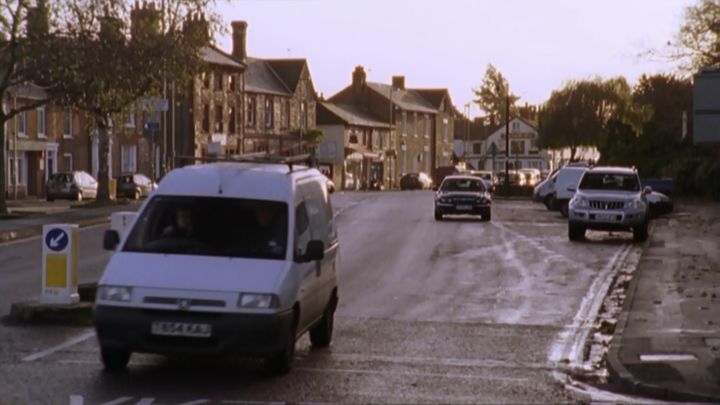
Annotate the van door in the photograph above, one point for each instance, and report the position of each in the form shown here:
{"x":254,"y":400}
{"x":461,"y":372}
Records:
{"x":322,"y":227}
{"x":307,"y":272}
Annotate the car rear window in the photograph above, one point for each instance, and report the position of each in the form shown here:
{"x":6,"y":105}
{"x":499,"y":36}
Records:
{"x":610,"y":181}
{"x":470,"y":185}
{"x":211,"y":226}
{"x":61,"y":178}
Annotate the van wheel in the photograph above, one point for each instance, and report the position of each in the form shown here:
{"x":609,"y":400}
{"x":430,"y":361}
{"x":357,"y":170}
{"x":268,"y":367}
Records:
{"x":564,"y":209}
{"x":281,"y":362}
{"x":486,"y":216}
{"x":640,"y":233}
{"x":438,"y":216}
{"x":549,"y":203}
{"x":115,"y":359}
{"x":136,"y":196}
{"x":575,"y":232}
{"x":321,"y":334}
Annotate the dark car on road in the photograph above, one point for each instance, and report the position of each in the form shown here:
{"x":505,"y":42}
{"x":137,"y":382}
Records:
{"x":134,"y":186}
{"x":76,"y":185}
{"x":463,"y":195}
{"x":415,"y":181}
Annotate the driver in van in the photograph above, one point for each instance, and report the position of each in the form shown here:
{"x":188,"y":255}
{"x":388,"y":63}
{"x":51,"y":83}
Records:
{"x":184,"y":224}
{"x":269,"y":228}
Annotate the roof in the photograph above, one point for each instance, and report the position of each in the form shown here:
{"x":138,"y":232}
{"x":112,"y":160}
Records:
{"x":288,"y":70}
{"x":434,"y":96}
{"x":354,"y":115}
{"x":406,"y":99}
{"x":261,"y":78}
{"x":263,"y":181}
{"x":215,"y":56}
{"x":29,"y":91}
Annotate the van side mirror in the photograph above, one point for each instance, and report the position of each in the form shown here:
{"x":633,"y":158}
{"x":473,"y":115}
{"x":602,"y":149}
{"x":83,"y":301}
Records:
{"x":315,"y":251}
{"x":572,"y":189}
{"x":647,"y":190}
{"x":111,"y":239}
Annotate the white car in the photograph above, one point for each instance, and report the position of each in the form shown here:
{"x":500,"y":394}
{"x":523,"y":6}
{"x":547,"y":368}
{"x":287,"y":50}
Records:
{"x":237,"y":258}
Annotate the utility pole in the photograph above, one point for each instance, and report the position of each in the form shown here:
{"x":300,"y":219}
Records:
{"x":164,"y":112}
{"x":507,"y":142}
{"x":467,"y":131}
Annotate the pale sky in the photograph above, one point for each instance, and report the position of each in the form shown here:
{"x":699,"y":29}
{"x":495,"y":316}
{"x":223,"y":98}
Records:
{"x":537,"y":44}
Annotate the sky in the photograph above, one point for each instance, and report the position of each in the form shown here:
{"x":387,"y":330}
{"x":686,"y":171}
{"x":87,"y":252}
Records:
{"x":538,"y":45}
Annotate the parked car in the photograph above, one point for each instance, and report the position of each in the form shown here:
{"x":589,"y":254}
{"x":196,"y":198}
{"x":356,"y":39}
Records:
{"x":77,"y":185}
{"x":134,"y":186}
{"x":544,"y":191}
{"x":463,"y":194}
{"x":516,"y":179}
{"x":487,"y":176}
{"x":330,"y":186}
{"x":532,"y":176}
{"x":659,"y":204}
{"x":415,"y":181}
{"x":247,"y":271}
{"x":567,"y":179}
{"x":609,"y":199}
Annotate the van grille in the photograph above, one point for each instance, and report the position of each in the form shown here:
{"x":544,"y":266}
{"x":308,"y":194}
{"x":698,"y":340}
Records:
{"x":190,"y":302}
{"x":606,"y":205}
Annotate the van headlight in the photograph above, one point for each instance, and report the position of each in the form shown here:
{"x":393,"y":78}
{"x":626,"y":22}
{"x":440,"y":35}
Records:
{"x":579,"y":202}
{"x":257,"y":301}
{"x":114,"y":293}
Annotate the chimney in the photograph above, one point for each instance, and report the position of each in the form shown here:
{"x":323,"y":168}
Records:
{"x":239,"y":36}
{"x":197,"y":28}
{"x":144,"y":22}
{"x":359,"y":77}
{"x":38,"y":24}
{"x":398,"y":82}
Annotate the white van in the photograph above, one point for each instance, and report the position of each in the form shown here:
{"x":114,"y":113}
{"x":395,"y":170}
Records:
{"x":566,"y":181}
{"x":224,"y":258}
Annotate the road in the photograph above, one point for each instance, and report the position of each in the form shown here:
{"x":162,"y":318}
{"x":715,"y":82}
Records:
{"x":453,"y":311}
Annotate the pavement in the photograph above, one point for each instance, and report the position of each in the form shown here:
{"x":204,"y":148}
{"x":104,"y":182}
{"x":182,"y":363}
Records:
{"x":39,"y":212}
{"x":667,"y":341}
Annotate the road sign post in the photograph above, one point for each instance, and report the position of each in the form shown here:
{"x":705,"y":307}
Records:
{"x":59,"y":264}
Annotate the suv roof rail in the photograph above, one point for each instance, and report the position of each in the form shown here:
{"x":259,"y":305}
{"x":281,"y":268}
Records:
{"x":258,"y":157}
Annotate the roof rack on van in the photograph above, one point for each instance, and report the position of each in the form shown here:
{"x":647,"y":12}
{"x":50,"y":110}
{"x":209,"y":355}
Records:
{"x":259,"y":157}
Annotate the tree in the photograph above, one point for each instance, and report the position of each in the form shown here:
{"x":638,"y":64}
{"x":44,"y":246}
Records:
{"x":697,"y":43}
{"x":492,"y":96}
{"x":581,"y":112}
{"x":312,"y":137}
{"x":115,"y":65}
{"x":29,"y":53}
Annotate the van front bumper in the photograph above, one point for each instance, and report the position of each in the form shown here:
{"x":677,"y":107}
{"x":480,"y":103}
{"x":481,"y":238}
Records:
{"x":243,"y":334}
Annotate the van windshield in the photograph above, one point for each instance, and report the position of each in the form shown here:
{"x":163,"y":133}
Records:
{"x":610,"y":181}
{"x":211,"y":226}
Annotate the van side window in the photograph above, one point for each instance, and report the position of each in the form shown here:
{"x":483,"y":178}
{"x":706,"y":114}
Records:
{"x":302,"y":228}
{"x":319,"y":212}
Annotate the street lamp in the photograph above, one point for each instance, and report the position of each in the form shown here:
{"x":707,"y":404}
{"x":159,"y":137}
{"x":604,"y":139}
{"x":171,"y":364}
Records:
{"x":467,"y":129}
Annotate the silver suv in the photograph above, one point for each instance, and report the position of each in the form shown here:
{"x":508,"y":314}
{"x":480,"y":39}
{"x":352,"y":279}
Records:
{"x":609,"y":199}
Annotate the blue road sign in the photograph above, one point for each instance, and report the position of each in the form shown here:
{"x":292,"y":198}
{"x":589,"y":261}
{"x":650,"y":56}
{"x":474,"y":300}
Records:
{"x":56,"y":239}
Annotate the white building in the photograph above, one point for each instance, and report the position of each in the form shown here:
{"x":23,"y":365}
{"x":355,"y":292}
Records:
{"x":489,"y":154}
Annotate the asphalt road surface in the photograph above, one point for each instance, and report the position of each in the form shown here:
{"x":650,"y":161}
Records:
{"x":453,"y":311}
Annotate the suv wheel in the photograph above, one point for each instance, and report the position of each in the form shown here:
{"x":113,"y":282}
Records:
{"x":640,"y":233}
{"x":114,"y":359}
{"x":575,"y":232}
{"x":486,"y":216}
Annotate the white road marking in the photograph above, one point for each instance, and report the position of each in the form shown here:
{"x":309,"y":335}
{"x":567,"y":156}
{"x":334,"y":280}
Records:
{"x":69,"y":343}
{"x":410,"y":374}
{"x":146,"y":401}
{"x":118,"y":401}
{"x":441,"y":361}
{"x":667,"y":357}
{"x":241,"y":402}
{"x":77,"y":400}
{"x":196,"y":402}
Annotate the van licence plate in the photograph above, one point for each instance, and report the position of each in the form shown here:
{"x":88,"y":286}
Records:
{"x":201,"y":330}
{"x":464,"y":207}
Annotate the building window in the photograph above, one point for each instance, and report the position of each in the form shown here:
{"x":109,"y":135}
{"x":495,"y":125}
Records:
{"x":517,"y":147}
{"x":427,"y":126}
{"x":303,"y":115}
{"x":269,"y":112}
{"x":130,"y":118}
{"x":68,"y":162}
{"x":445,"y":129}
{"x":41,"y":122}
{"x":206,"y":118}
{"x":232,"y":120}
{"x":477,"y":148}
{"x":515,"y":126}
{"x":250,"y":114}
{"x":22,"y":123}
{"x":218,"y":124}
{"x":205,"y":80}
{"x":231,"y":82}
{"x":218,"y":81}
{"x":286,"y":114}
{"x":67,"y":124}
{"x":129,"y":158}
{"x":414,"y":128}
{"x":403,"y":124}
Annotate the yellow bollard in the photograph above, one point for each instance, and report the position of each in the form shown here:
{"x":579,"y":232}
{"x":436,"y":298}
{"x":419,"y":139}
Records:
{"x":59,"y":264}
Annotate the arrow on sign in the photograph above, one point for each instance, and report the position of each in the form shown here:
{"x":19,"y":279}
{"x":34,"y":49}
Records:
{"x":55,"y":242}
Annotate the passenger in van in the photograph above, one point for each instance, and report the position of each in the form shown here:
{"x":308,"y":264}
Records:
{"x":184,"y":227}
{"x":268,"y":234}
